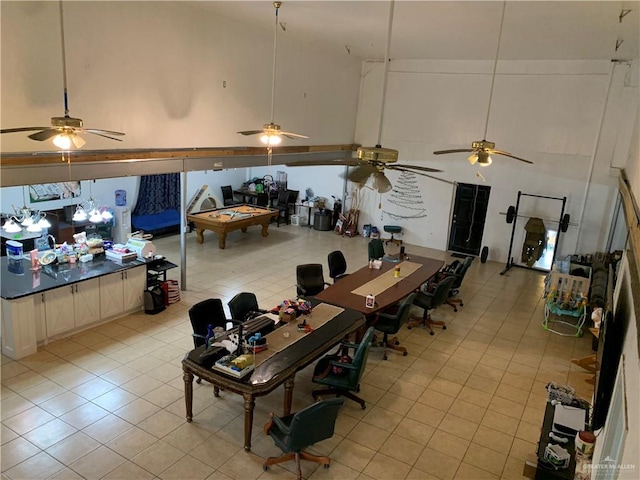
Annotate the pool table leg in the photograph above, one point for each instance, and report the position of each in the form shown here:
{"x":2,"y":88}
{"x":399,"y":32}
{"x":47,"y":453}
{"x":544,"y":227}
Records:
{"x":265,"y":229}
{"x":200,"y":235}
{"x":222,"y":240}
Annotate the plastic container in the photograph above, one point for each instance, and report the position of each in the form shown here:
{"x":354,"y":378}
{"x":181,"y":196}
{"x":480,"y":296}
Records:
{"x":14,"y":250}
{"x":121,"y":198}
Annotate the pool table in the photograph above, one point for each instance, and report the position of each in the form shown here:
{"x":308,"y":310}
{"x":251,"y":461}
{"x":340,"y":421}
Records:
{"x":224,"y":220}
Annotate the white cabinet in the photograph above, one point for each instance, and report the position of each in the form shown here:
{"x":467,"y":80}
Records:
{"x":72,"y":306}
{"x":19,"y":327}
{"x":122,"y":291}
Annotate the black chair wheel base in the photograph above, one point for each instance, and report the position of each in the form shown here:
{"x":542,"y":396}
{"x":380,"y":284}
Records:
{"x":198,"y":380}
{"x":404,"y":354}
{"x":326,"y":465}
{"x":444,"y":327}
{"x":431,"y":332}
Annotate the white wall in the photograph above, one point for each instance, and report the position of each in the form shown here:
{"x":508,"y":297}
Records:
{"x":552,"y":113}
{"x":155,"y":70}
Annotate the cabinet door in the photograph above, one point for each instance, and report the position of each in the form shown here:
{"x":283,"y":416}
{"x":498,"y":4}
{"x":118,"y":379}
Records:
{"x":111,"y":295}
{"x":59,"y":310}
{"x":135,"y":280}
{"x":86,"y":301}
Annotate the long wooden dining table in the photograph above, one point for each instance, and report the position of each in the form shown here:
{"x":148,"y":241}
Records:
{"x":351,"y":291}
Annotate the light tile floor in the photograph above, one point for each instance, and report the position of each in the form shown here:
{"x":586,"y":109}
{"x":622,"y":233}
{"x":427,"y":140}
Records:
{"x":466,"y":403}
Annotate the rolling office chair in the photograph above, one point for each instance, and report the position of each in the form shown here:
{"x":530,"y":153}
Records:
{"x":375,"y":248}
{"x":428,"y":300}
{"x":309,"y":279}
{"x":204,"y":313}
{"x":458,"y":272}
{"x":244,"y":306}
{"x":345,"y":377}
{"x":389,"y":323}
{"x":393,"y":229}
{"x":295,"y":432}
{"x":227,"y":196}
{"x":337,"y":265}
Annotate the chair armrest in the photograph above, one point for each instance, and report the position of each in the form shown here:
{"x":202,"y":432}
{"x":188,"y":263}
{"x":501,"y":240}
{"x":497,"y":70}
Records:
{"x":349,"y":345}
{"x":195,"y":335}
{"x":348,"y":366}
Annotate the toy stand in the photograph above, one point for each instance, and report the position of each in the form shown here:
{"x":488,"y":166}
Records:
{"x":553,"y":314}
{"x":566,"y":297}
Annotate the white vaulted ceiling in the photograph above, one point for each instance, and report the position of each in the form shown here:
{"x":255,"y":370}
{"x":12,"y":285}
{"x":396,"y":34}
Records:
{"x":455,"y":30}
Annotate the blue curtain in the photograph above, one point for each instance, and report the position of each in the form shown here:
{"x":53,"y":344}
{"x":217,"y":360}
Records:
{"x":158,"y":193}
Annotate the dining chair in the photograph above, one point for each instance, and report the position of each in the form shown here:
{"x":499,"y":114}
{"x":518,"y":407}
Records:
{"x":283,"y":207}
{"x":295,"y":432}
{"x":337,"y":265}
{"x":389,"y":322}
{"x":243,"y":306}
{"x":309,"y":279}
{"x":430,"y":298}
{"x":343,"y":379}
{"x":227,"y":196}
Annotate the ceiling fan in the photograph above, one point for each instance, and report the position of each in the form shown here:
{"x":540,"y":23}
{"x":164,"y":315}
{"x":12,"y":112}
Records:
{"x":482,"y":150}
{"x":65,"y":130}
{"x":372,"y":161}
{"x":271,"y":132}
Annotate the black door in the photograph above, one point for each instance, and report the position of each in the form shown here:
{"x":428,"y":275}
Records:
{"x":467,"y":222}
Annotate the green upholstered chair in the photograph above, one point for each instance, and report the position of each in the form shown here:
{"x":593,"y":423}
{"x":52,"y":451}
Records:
{"x":293,"y":433}
{"x":345,"y":378}
{"x":389,"y":323}
{"x":437,"y":294}
{"x":393,"y":230}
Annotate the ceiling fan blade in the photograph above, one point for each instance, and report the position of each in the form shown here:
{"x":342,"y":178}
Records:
{"x":22,"y":129}
{"x":400,"y":169}
{"x":293,"y":135}
{"x":413,"y":167}
{"x":251,"y":132}
{"x":507,"y":154}
{"x":361,"y":174}
{"x":99,"y":131}
{"x":44,"y":134}
{"x":95,"y":132}
{"x":456,"y":150}
{"x":319,"y":163}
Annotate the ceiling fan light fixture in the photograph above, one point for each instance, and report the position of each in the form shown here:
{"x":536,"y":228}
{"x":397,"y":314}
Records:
{"x":484,"y":159}
{"x":381,"y":183}
{"x":377,"y":153}
{"x":473,"y":158}
{"x":270,"y":139}
{"x":62,"y":141}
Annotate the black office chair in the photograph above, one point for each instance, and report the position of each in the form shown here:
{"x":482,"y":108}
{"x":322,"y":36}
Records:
{"x":205,"y":313}
{"x":337,"y":265}
{"x":309,"y":279}
{"x":244,"y":306}
{"x":376,"y":249}
{"x":389,"y":322}
{"x":434,"y":296}
{"x":458,"y":271}
{"x":295,"y":432}
{"x":344,"y":378}
{"x":227,"y":196}
{"x":283,"y":206}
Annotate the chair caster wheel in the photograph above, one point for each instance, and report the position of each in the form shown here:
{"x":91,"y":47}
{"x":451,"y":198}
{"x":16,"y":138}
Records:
{"x":461,"y":304}
{"x":198,"y":380}
{"x":444,"y":327}
{"x":431,"y":333}
{"x":397,"y":342}
{"x":265,"y":467}
{"x":404,"y":354}
{"x":326,"y":465}
{"x":408,"y":327}
{"x":384,"y":357}
{"x":455,"y":309}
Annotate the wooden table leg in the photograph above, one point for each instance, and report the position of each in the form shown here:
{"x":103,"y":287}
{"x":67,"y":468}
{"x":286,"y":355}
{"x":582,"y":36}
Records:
{"x":200,"y":235}
{"x":188,"y":393}
{"x":288,"y":394}
{"x":222,"y":239}
{"x":249,"y":405}
{"x":265,"y":229}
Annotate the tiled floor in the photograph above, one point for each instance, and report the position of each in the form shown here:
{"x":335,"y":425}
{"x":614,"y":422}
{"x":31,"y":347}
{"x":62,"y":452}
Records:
{"x":466,"y":403}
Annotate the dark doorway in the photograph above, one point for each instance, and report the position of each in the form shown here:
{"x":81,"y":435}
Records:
{"x":467,"y":221}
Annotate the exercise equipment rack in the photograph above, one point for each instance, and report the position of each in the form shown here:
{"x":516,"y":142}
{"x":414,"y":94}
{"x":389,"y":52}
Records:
{"x":512,"y":217}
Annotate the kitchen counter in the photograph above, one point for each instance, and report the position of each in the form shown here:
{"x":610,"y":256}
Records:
{"x":18,"y":280}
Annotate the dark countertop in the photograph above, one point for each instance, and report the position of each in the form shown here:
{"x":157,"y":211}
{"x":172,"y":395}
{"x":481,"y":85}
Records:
{"x":18,"y":280}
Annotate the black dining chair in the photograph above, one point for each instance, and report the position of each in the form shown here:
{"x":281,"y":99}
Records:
{"x":283,"y":207}
{"x":309,"y":279}
{"x":295,"y":432}
{"x":227,"y":196}
{"x":337,"y":265}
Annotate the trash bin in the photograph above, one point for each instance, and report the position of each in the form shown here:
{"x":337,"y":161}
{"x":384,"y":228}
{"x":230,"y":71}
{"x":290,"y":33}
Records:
{"x":322,"y":220}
